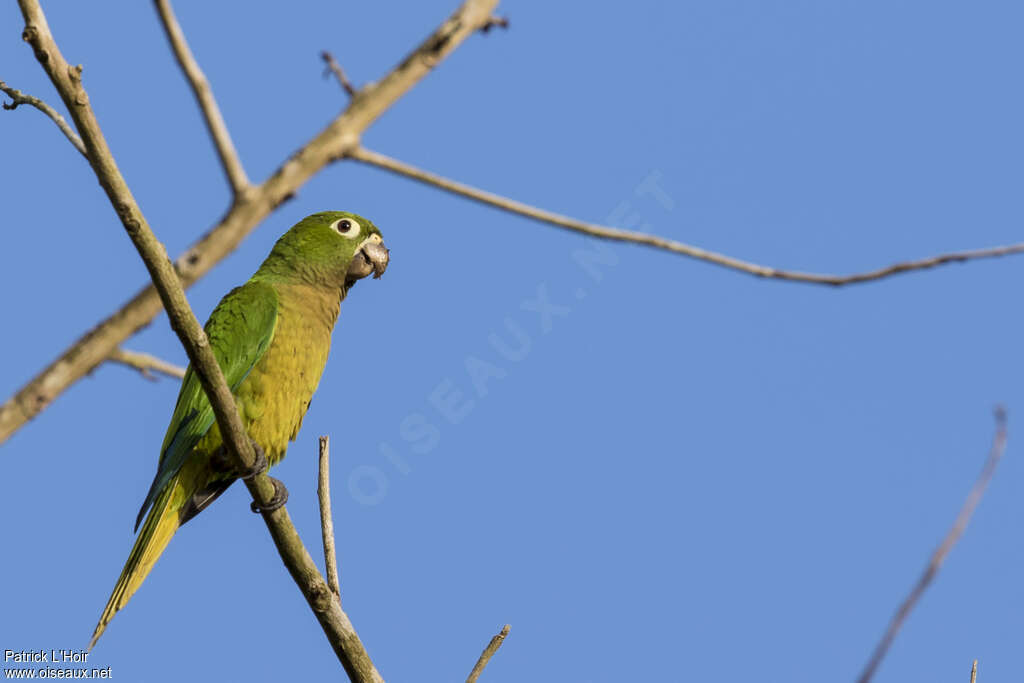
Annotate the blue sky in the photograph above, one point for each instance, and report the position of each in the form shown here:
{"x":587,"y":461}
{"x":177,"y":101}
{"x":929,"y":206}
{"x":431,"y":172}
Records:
{"x":683,"y":473}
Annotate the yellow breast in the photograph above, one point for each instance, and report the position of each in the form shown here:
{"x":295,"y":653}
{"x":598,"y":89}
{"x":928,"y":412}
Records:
{"x":274,"y":397}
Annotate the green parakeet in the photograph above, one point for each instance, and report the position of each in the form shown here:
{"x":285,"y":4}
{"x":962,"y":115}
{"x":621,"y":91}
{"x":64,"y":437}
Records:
{"x":271,"y":337}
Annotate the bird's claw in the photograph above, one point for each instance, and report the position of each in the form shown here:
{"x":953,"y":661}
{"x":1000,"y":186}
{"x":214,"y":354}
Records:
{"x":259,"y":466}
{"x":279,"y":499}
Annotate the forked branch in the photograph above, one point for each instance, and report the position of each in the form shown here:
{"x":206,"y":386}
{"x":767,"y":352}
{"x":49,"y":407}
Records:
{"x":330,"y":144}
{"x":18,"y":97}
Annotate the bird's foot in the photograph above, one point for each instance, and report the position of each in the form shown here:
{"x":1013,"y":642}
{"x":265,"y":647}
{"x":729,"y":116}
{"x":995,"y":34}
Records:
{"x":259,"y":466}
{"x":220,"y":461}
{"x":279,"y":499}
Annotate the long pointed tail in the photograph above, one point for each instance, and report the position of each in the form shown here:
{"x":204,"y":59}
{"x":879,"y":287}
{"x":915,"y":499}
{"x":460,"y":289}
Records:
{"x":162,"y":522}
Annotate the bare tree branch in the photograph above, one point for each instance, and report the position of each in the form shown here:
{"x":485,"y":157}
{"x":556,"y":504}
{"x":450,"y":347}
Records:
{"x":146,"y":363}
{"x":67,"y":80}
{"x":18,"y":97}
{"x":201,"y":89}
{"x":341,"y":135}
{"x":594,"y":230}
{"x":323,"y":491}
{"x":488,"y":652}
{"x":939,"y":556}
{"x":339,"y":73}
{"x":974,"y":671}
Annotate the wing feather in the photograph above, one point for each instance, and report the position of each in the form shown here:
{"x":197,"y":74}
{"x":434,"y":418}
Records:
{"x":240,"y":329}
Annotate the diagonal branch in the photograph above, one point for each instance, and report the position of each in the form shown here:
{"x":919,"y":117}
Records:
{"x":339,"y":73}
{"x":68,"y":83}
{"x":204,"y":95}
{"x":486,"y":655}
{"x":602,"y":231}
{"x":341,"y":135}
{"x":146,"y":363}
{"x":939,"y":556}
{"x":201,"y":89}
{"x":18,"y":97}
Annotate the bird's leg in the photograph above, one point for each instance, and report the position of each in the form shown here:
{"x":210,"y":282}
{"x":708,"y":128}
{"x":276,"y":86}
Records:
{"x":220,"y":462}
{"x":280,"y":491}
{"x":259,"y":466}
{"x":279,"y":499}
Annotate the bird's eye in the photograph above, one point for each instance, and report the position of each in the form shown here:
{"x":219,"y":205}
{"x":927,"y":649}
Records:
{"x":347,"y":227}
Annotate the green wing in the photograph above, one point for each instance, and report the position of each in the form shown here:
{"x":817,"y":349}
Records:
{"x":240,"y":329}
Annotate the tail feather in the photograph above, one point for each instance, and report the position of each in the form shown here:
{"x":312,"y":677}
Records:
{"x":161,"y":523}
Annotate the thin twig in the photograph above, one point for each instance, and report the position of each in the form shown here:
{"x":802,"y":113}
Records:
{"x":939,"y":556}
{"x":146,"y":363}
{"x":18,"y":97}
{"x":495,"y":22}
{"x":323,"y":491}
{"x":401,"y":168}
{"x":201,"y":89}
{"x":974,"y":671}
{"x":330,"y":144}
{"x":488,"y":652}
{"x":339,"y":73}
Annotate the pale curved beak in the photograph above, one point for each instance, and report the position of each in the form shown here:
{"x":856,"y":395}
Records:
{"x":371,"y":257}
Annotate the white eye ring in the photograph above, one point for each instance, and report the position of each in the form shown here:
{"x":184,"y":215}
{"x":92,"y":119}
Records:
{"x":347,"y":227}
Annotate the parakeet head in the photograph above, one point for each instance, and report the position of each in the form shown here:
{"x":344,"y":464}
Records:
{"x":330,"y":248}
